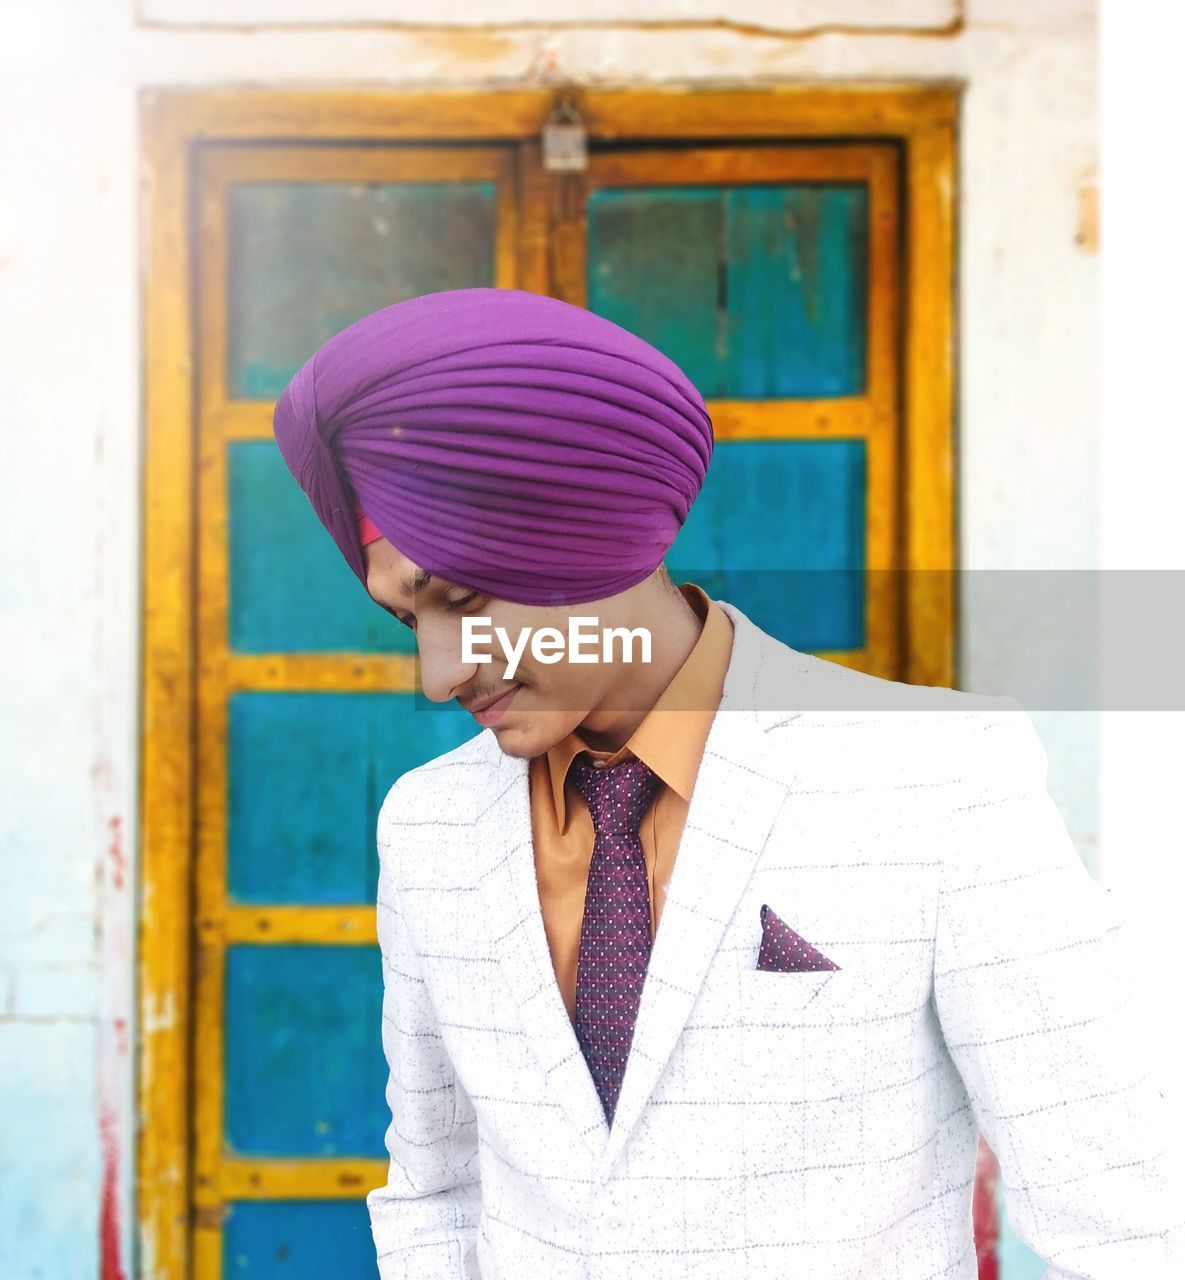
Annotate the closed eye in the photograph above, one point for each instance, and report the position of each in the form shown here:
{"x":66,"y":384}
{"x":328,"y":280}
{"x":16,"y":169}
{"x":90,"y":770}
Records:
{"x":451,"y":605}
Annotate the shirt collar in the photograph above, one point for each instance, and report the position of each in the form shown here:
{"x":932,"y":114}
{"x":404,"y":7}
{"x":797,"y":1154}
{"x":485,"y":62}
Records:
{"x":670,"y":739}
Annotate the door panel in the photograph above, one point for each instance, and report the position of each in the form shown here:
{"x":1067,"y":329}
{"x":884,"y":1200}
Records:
{"x":297,"y":1240}
{"x":304,"y":1066}
{"x":306,"y":259}
{"x":306,"y":774}
{"x":289,"y":590}
{"x":755,"y":291}
{"x":807,"y":585}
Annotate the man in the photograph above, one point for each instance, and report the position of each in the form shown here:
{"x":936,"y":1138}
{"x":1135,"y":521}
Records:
{"x":714,"y":964}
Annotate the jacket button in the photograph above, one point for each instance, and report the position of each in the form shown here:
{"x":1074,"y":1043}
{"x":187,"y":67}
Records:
{"x":614,"y":1224}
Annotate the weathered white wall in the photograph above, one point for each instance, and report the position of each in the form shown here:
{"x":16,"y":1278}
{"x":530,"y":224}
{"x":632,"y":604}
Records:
{"x":1143,"y":526}
{"x":69,"y":258}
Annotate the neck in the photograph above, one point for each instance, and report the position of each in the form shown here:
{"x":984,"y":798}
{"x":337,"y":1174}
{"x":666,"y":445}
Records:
{"x":674,"y":628}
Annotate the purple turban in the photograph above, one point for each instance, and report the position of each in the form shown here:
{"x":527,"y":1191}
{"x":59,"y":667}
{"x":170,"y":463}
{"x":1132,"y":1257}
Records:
{"x":503,"y":440}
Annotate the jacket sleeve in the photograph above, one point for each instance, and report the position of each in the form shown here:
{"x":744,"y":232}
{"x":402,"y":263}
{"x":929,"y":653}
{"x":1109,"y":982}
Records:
{"x":424,"y":1220}
{"x":1032,"y":989}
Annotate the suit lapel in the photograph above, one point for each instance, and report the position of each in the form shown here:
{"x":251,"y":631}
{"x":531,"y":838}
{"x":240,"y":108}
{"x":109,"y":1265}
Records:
{"x":513,"y":920}
{"x":738,"y":794}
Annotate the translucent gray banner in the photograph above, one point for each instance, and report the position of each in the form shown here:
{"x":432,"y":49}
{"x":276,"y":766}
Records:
{"x":1056,"y":640}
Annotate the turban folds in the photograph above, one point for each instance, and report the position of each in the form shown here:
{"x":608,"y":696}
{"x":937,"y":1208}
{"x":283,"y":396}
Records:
{"x":503,"y":440}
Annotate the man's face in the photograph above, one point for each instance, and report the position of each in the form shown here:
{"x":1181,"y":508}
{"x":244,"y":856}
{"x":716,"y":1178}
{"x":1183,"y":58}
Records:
{"x":546,"y":700}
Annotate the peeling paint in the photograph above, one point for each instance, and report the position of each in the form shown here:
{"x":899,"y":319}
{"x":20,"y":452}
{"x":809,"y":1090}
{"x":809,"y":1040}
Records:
{"x":159,"y":1014}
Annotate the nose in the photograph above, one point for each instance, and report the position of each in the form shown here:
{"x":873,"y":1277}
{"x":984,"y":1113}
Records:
{"x":442,"y":672}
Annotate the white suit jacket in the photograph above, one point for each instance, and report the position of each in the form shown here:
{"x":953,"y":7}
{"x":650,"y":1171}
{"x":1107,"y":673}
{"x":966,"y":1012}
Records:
{"x":816,"y":1125}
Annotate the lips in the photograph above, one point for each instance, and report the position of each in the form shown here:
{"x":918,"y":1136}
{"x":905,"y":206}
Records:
{"x":494,"y":711}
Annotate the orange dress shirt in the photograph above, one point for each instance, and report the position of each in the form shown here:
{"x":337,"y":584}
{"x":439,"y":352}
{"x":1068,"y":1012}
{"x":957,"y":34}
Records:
{"x":671,"y":741}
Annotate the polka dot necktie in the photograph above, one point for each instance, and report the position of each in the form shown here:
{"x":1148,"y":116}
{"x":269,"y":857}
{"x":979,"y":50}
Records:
{"x":615,"y":934}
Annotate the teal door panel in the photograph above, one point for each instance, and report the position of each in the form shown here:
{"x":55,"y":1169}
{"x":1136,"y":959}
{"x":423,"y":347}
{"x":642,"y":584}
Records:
{"x":779,"y":531}
{"x":298,"y":1240}
{"x":757,"y":292}
{"x":306,"y":259}
{"x":304,"y":1068}
{"x":307,"y":773}
{"x":797,"y":287}
{"x":653,"y":268}
{"x":290,"y":588}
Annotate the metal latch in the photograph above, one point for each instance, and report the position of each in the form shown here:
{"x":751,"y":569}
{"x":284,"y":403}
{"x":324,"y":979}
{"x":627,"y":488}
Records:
{"x":565,"y":137}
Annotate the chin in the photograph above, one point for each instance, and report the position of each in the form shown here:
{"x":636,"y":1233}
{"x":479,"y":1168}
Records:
{"x":524,"y":741}
{"x":517,"y":742}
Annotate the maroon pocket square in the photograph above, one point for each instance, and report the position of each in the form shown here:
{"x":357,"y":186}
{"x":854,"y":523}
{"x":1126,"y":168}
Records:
{"x":783,"y":950}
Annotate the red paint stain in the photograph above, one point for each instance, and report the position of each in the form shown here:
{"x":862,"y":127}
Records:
{"x":116,"y":856}
{"x":985,"y":1214}
{"x":111,"y":874}
{"x":111,"y":1265}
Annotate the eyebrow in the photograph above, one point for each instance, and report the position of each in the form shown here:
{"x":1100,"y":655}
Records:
{"x":416,"y":582}
{"x":421,"y":578}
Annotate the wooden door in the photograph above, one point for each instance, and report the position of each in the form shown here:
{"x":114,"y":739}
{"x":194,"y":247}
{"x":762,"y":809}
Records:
{"x":772,"y":269}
